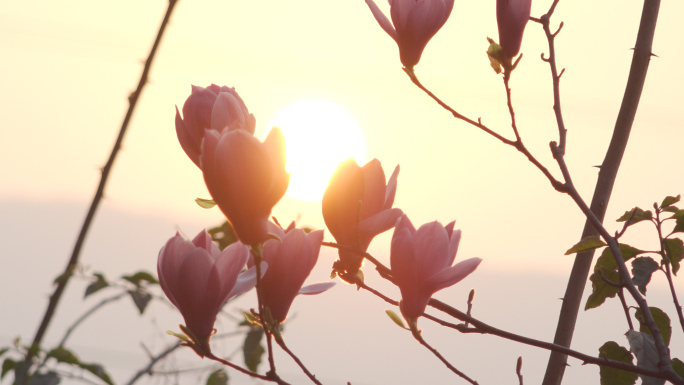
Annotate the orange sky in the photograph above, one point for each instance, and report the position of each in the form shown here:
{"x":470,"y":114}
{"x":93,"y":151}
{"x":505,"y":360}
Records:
{"x":68,"y":67}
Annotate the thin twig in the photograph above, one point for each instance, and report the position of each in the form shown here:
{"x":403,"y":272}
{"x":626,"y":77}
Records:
{"x":419,"y":338}
{"x":621,"y":294}
{"x":311,"y":376}
{"x":73,"y":260}
{"x":262,"y":315}
{"x":481,"y":327}
{"x":608,"y":172}
{"x":269,"y":378}
{"x":668,"y":272}
{"x":153,"y":361}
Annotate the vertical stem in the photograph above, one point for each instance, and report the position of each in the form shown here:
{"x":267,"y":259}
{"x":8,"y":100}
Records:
{"x":604,"y":186}
{"x":21,"y":375}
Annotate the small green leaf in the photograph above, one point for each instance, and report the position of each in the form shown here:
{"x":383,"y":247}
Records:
{"x":637,"y":216}
{"x":49,"y":378}
{"x":610,"y":376}
{"x":218,"y":377}
{"x":205,"y":203}
{"x":139,"y":277}
{"x":3,"y":351}
{"x":100,"y":283}
{"x":98,"y":371}
{"x":141,"y":298}
{"x":181,"y":337}
{"x":679,"y":227}
{"x":65,"y":276}
{"x":589,"y":243}
{"x":606,"y":265}
{"x":662,"y":321}
{"x":671,"y":209}
{"x":394,"y":317}
{"x":224,"y":235}
{"x":678,"y":367}
{"x":600,"y":289}
{"x":63,"y":355}
{"x":668,"y":201}
{"x":642,"y":270}
{"x":7,"y":365}
{"x":674,"y":251}
{"x":252,"y":349}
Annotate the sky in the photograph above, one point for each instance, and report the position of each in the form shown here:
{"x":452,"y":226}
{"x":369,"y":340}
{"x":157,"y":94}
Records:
{"x":68,"y":68}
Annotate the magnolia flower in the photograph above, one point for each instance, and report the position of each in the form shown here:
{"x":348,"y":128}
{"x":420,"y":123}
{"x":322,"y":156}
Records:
{"x":290,"y":261}
{"x":352,"y":187}
{"x":246,"y":178}
{"x":421,"y":263}
{"x":512,"y":16}
{"x":415,"y":23}
{"x":214,"y":107}
{"x":199,"y":279}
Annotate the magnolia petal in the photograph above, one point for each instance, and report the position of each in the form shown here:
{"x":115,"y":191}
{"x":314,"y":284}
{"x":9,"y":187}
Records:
{"x":382,"y":19}
{"x":454,"y":240}
{"x":377,"y":224}
{"x":316,"y":288}
{"x":403,"y":259}
{"x":451,"y":275}
{"x":374,"y":188}
{"x":391,"y":189}
{"x":227,"y":113}
{"x":187,"y":142}
{"x":246,"y":281}
{"x":431,"y":245}
{"x":341,"y":199}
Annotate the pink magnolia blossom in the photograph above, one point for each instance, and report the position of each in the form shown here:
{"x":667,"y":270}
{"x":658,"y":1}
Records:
{"x":198,"y":279}
{"x":421,"y":263}
{"x":414,"y":23}
{"x":246,"y":178}
{"x":214,"y":107}
{"x":511,"y":17}
{"x":290,"y":261}
{"x":349,"y":185}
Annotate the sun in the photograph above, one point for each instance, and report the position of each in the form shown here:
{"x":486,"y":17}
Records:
{"x":318,"y":135}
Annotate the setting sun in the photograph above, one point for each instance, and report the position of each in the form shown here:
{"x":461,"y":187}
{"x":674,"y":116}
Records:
{"x":318,"y":135}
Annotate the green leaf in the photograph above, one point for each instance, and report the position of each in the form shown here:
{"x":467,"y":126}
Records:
{"x":678,"y":367}
{"x":679,"y":227}
{"x":205,"y":203}
{"x":607,"y":260}
{"x":98,"y":371}
{"x":218,"y":377}
{"x":642,"y":270}
{"x":49,"y":378}
{"x":141,"y":298}
{"x":668,"y":201}
{"x":589,"y":243}
{"x":610,"y":376}
{"x":602,"y":290}
{"x":394,"y":317}
{"x":7,"y":365}
{"x":678,"y":214}
{"x":606,"y":264}
{"x":65,"y":276}
{"x":63,"y":355}
{"x":139,"y":277}
{"x":3,"y":351}
{"x":252,"y":349}
{"x":671,"y":209}
{"x":100,"y":283}
{"x":674,"y":251}
{"x":637,"y":216}
{"x":662,"y":321}
{"x":224,"y":235}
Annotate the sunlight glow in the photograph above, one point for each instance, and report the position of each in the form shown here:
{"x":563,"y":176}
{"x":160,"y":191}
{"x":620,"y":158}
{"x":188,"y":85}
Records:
{"x":318,"y":135}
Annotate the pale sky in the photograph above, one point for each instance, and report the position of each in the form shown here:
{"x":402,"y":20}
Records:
{"x":68,"y":67}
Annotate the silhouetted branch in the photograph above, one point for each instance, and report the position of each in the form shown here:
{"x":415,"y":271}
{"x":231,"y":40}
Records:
{"x":73,"y":261}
